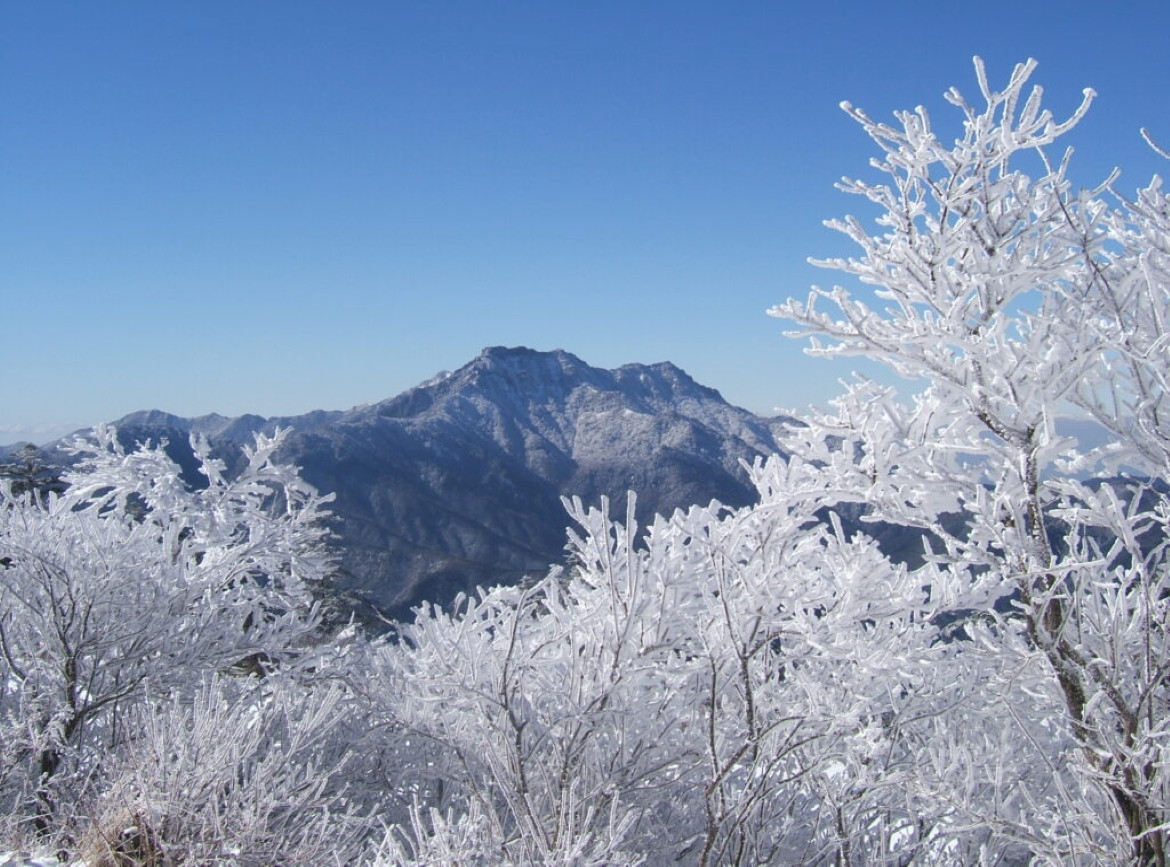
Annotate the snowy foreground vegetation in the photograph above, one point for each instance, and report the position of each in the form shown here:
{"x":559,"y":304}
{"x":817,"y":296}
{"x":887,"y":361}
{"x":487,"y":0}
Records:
{"x":723,"y":687}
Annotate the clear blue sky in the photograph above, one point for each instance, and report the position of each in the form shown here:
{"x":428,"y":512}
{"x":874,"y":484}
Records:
{"x":278,"y":206}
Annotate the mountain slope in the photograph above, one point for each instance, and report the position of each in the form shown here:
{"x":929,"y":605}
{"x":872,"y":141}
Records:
{"x":457,"y":482}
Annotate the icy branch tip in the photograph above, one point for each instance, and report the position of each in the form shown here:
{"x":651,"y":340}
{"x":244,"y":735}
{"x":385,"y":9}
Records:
{"x":1148,"y":137}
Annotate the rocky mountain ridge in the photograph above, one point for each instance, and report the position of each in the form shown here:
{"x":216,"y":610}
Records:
{"x":457,"y":482}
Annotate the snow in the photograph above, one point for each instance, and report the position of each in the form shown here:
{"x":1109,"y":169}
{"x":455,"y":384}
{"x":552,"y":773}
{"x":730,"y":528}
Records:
{"x":38,"y":858}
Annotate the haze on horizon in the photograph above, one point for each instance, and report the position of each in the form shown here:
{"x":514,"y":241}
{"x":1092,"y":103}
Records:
{"x":282,"y":207}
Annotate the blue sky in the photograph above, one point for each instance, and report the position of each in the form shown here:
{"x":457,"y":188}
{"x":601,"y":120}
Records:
{"x":272,"y":207}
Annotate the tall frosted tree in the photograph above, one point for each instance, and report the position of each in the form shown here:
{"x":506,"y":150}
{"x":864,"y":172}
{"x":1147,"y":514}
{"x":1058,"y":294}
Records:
{"x":1012,"y":298}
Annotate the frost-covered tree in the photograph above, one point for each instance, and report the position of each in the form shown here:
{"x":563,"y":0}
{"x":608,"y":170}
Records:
{"x":236,"y":773}
{"x":740,"y":686}
{"x":130,"y":588}
{"x":1012,"y":297}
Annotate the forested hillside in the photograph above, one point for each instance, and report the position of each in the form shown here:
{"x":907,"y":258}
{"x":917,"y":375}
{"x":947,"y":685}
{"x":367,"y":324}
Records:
{"x":729,"y":684}
{"x":457,"y":483}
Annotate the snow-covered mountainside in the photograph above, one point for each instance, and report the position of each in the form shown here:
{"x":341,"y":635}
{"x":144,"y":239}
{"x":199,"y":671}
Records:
{"x":457,"y":482}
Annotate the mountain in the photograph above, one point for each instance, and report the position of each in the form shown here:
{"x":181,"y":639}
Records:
{"x":457,"y":482}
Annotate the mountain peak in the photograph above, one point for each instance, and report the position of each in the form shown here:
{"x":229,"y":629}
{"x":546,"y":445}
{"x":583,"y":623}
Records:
{"x":504,"y":353}
{"x":523,"y":358}
{"x":457,"y":482}
{"x":520,"y":381}
{"x":523,"y":374}
{"x":152,"y":418}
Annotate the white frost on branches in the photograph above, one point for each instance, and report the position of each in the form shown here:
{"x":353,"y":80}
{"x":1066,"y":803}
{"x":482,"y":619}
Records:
{"x":1014,"y":298}
{"x":124,"y":594}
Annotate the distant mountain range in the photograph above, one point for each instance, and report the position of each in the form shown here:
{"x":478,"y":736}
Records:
{"x":457,"y":482}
